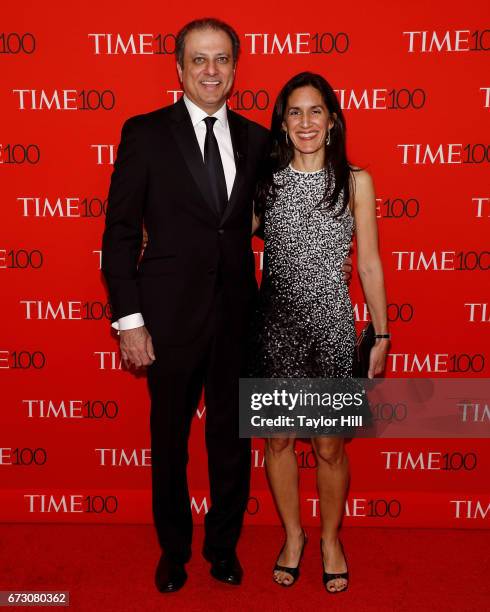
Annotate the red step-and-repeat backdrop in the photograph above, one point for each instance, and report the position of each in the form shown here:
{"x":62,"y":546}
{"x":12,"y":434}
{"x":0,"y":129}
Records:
{"x":413,"y":80}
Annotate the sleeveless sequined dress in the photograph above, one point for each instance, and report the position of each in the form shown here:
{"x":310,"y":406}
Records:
{"x":304,"y":324}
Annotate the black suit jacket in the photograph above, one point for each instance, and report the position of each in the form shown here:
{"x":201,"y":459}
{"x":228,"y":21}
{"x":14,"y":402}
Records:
{"x":159,"y":178}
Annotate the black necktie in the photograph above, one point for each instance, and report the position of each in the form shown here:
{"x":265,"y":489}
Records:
{"x":214,"y":167}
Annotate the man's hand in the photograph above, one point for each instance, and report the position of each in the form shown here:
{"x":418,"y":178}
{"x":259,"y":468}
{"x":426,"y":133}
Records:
{"x":347,"y":267}
{"x":136,"y":347}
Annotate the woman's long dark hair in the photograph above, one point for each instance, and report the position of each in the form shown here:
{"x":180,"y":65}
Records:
{"x":282,"y":150}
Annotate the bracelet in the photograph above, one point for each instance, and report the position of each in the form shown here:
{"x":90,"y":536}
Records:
{"x":387,"y":336}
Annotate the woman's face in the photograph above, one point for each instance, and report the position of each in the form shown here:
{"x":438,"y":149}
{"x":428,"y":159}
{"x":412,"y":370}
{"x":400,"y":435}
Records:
{"x":307,"y":120}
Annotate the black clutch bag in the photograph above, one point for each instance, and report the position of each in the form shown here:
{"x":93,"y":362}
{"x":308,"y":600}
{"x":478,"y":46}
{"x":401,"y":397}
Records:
{"x":364,"y":344}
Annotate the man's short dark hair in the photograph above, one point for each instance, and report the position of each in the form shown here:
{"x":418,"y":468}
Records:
{"x":208,"y":23}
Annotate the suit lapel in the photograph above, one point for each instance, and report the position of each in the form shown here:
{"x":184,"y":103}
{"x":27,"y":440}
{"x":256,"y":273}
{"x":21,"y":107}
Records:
{"x":239,"y":140}
{"x":185,"y":137}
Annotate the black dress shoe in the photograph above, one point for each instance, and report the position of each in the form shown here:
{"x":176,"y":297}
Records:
{"x":170,"y":576}
{"x":225,"y":567}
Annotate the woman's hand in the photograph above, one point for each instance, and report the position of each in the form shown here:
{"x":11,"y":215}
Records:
{"x":377,"y":357}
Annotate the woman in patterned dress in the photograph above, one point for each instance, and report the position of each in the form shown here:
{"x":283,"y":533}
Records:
{"x":310,"y":201}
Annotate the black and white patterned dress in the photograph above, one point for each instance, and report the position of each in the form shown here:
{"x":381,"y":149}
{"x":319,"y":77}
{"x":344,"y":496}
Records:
{"x":304,"y":325}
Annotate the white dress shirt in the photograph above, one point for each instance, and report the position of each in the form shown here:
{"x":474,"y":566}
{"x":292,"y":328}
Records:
{"x":223,"y":136}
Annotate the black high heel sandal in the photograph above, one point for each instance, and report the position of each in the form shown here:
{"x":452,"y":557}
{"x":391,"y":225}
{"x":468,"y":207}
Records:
{"x":292,"y":571}
{"x":327,"y":576}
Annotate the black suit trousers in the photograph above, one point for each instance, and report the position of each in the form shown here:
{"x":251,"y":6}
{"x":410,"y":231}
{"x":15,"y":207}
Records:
{"x":213,"y":360}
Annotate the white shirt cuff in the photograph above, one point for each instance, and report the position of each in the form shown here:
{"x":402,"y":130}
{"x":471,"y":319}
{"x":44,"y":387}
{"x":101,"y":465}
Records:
{"x":129,"y":322}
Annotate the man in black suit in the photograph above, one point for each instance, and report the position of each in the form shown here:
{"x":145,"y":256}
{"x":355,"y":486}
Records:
{"x":188,"y":172}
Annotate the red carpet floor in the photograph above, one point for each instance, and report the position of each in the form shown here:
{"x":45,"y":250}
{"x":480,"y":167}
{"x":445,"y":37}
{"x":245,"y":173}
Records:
{"x":111,"y":568}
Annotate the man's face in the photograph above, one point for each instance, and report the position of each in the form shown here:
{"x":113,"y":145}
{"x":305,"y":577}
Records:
{"x":208,"y":71}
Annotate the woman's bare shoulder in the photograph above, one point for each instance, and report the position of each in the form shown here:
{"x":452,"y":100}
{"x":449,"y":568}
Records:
{"x":362,"y":179}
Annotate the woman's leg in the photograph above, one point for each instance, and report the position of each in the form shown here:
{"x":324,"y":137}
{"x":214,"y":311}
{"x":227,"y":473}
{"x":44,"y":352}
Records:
{"x":282,"y":471}
{"x":332,"y":479}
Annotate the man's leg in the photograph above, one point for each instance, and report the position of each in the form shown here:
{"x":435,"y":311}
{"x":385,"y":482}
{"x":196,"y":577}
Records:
{"x":228,"y":455}
{"x":175,"y":381}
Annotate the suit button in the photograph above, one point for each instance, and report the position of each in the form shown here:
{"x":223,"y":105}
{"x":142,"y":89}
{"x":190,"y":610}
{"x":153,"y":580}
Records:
{"x":221,"y":232}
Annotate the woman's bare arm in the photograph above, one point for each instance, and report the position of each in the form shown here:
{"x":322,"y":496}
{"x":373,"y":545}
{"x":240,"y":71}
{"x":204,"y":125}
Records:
{"x":369,"y":264}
